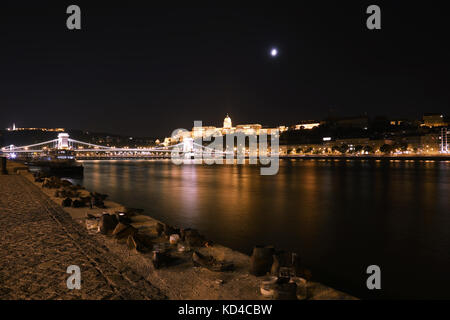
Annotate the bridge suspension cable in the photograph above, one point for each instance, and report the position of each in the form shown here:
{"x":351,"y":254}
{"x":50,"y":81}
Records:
{"x":29,"y":146}
{"x":71,"y":144}
{"x":88,"y":144}
{"x":112,"y":149}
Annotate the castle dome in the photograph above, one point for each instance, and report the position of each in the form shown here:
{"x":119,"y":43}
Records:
{"x":227,"y":124}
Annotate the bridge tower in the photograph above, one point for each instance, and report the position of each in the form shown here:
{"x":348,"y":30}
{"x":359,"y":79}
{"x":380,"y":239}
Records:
{"x":63,"y":141}
{"x":188,"y":145}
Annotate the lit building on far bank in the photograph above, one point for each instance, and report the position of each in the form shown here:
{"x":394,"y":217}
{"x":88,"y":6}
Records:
{"x":306,"y":125}
{"x":432,"y":120}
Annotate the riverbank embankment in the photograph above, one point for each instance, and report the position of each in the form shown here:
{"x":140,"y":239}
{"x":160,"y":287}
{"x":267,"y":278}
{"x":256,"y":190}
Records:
{"x":39,"y":241}
{"x":443,"y":157}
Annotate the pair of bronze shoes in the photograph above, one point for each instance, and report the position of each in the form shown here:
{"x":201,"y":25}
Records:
{"x":210,"y":263}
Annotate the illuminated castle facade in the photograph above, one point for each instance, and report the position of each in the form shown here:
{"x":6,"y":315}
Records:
{"x":210,"y":131}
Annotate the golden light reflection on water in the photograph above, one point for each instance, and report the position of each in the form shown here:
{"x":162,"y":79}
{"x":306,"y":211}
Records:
{"x":336,"y":213}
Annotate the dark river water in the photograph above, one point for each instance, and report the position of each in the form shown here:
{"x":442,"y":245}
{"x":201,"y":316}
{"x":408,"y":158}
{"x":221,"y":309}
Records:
{"x":340,"y":215}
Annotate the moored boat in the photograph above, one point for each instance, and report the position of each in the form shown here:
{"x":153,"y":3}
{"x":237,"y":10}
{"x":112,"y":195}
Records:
{"x":57,"y":162}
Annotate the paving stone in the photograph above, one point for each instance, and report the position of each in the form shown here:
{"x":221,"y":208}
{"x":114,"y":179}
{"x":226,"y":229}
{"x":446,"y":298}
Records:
{"x":39,"y":240}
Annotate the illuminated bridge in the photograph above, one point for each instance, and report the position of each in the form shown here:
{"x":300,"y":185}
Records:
{"x":84,"y":150}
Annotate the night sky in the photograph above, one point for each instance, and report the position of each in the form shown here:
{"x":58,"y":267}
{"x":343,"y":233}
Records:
{"x":146,"y":70}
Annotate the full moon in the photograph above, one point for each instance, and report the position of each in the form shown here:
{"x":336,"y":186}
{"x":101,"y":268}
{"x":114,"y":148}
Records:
{"x":274,"y":52}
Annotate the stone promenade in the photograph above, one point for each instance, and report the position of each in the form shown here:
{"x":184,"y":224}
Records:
{"x":39,"y":240}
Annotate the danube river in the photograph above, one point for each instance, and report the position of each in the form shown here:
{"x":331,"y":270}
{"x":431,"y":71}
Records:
{"x":340,"y":215}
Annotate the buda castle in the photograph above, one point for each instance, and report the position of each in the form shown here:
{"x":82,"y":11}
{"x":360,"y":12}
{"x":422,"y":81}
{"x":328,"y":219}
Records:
{"x":210,"y":131}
